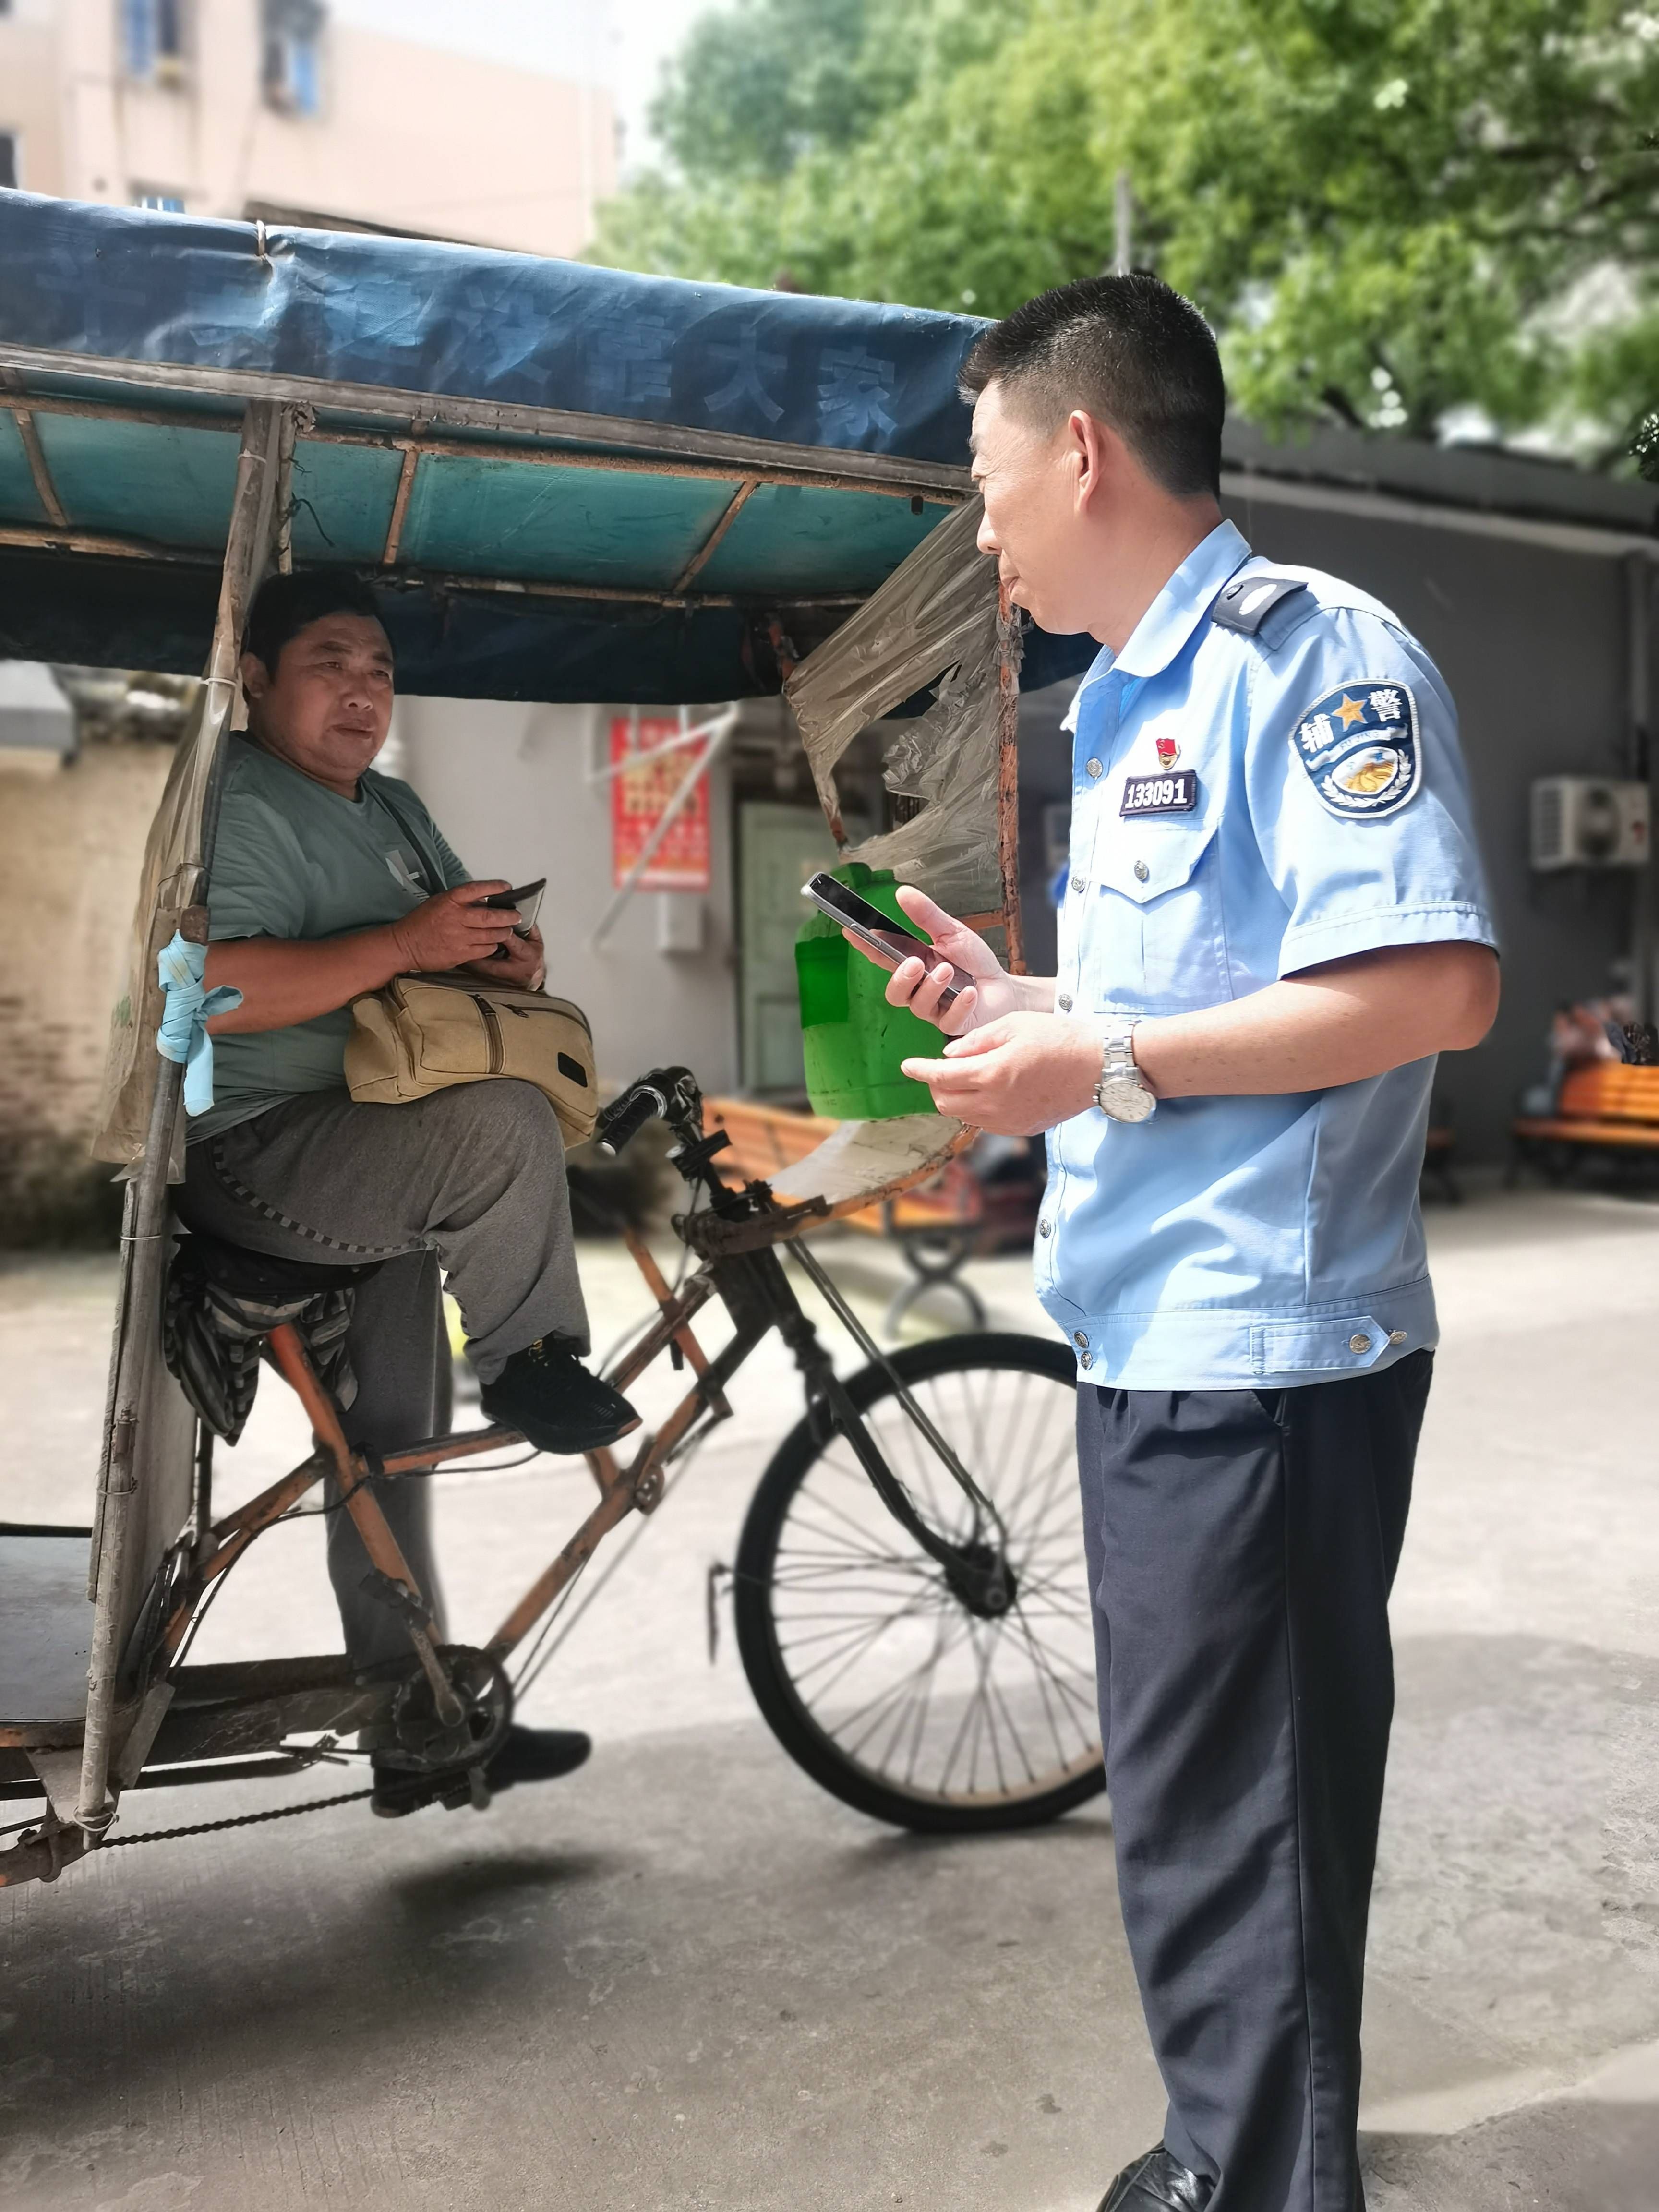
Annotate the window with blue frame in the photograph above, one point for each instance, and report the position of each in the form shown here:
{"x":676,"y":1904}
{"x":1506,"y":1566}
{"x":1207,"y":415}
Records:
{"x":153,"y":36}
{"x":292,"y":69}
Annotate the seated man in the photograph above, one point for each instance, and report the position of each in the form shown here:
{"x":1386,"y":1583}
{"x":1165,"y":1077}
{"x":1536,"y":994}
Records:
{"x":327,"y":881}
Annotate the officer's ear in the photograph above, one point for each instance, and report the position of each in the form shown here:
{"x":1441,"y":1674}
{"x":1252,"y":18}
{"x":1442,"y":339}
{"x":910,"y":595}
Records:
{"x":1095,"y":453}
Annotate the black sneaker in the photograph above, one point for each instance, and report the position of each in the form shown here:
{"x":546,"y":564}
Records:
{"x":560,"y":1406}
{"x":526,"y":1755}
{"x":1154,"y":2182}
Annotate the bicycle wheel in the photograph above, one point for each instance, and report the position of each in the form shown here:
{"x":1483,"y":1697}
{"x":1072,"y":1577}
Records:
{"x":873,"y":1674}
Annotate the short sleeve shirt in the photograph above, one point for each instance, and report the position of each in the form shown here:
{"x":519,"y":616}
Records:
{"x":1245,"y":808}
{"x":292,"y":858}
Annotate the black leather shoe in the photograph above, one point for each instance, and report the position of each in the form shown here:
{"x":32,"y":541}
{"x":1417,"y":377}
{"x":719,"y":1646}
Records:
{"x":527,"y":1754}
{"x":1154,"y":2182}
{"x":560,"y":1406}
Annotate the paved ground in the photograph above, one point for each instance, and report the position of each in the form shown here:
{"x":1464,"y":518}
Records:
{"x":687,"y":1978}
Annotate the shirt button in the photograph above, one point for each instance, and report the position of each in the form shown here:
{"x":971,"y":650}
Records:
{"x":1396,"y":1336}
{"x":1084,"y":1360}
{"x":1077,"y":883}
{"x":1092,"y":767}
{"x":1064,"y":1002}
{"x":1357,"y":1343}
{"x":1045,"y":1229}
{"x":1079,"y":1337}
{"x":1141,"y":871}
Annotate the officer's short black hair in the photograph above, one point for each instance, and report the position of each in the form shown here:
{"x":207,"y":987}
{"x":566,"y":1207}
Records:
{"x":1128,"y":350}
{"x":284,"y":606}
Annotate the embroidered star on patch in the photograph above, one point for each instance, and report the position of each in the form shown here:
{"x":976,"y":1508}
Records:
{"x":1359,"y":745}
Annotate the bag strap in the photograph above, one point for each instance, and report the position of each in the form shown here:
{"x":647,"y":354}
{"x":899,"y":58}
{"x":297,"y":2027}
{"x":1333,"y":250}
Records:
{"x":387,"y":791}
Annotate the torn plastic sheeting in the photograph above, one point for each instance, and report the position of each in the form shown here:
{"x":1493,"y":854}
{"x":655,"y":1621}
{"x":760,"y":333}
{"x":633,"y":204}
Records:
{"x":949,"y":759}
{"x":937,"y":609}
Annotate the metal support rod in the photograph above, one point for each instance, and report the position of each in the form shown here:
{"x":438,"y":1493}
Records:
{"x":734,"y":508}
{"x":287,"y":434}
{"x":394,"y":529}
{"x":1008,"y":661}
{"x":34,"y":453}
{"x":418,"y":440}
{"x":1645,"y":937}
{"x":142,"y":1268}
{"x":711,"y":453}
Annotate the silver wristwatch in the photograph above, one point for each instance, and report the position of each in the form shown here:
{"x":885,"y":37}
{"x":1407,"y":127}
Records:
{"x":1120,"y":1090}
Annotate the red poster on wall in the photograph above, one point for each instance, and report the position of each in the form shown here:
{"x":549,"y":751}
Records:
{"x":644,"y":780}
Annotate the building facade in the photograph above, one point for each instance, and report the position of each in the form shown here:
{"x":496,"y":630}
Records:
{"x":317,"y":112}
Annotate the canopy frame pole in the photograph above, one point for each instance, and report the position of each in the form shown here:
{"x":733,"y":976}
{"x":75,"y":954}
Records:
{"x":394,"y":529}
{"x":1010,"y":653}
{"x":39,"y":469}
{"x":733,"y":508}
{"x":248,"y":546}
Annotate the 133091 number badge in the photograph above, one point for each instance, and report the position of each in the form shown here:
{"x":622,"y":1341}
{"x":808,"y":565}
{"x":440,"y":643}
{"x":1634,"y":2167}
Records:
{"x":1175,"y":793}
{"x":1360,"y":748}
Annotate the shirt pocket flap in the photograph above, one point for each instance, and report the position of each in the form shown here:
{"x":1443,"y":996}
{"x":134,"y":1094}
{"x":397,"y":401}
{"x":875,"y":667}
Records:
{"x":1338,"y":1344}
{"x":1149,"y":858}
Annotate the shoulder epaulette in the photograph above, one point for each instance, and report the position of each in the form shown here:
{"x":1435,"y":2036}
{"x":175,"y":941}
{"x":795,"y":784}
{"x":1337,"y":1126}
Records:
{"x":1244,"y":604}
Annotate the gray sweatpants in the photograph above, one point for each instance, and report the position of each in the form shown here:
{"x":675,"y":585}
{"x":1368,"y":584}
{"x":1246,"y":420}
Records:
{"x":471,"y":1179}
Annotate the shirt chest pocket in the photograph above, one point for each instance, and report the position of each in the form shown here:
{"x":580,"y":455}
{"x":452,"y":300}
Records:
{"x":1154,"y":941}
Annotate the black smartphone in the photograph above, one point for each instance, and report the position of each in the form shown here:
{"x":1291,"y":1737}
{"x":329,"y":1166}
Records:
{"x":891,"y":941}
{"x":528,"y":900}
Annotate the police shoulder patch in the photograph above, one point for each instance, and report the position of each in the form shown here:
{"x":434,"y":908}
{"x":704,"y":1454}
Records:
{"x":1360,"y":748}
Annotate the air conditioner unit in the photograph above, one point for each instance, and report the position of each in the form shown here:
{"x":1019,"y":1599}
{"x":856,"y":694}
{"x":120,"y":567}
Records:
{"x":1589,"y":822}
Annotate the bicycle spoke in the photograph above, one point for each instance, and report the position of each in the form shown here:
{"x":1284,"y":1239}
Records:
{"x":911,"y":1686}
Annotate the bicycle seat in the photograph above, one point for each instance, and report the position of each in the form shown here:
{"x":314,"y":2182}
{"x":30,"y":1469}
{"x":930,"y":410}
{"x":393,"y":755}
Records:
{"x":262,"y":1278}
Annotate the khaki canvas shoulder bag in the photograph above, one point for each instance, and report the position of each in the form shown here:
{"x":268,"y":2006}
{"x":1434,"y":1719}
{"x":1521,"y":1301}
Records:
{"x":426,"y":1033}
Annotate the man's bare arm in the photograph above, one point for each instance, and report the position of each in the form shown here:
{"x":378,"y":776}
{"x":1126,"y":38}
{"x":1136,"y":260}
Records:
{"x":282,"y":980}
{"x":1340,"y":1023}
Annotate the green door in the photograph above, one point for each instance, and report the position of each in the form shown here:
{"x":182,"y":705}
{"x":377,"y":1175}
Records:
{"x":781,"y":846}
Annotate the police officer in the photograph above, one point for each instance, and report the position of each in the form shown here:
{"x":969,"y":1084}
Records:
{"x":1274,"y":920}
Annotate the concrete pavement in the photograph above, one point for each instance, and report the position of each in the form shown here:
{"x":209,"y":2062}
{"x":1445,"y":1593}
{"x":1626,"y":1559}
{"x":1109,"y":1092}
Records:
{"x":687,"y":1978}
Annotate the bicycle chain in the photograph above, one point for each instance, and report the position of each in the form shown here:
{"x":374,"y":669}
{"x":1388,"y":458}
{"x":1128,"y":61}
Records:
{"x":239,"y":1820}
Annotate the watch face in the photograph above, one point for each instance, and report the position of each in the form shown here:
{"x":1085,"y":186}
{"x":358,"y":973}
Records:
{"x":1124,"y":1099}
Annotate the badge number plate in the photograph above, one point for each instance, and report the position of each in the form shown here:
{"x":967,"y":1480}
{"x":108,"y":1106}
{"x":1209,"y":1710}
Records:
{"x":1175,"y":793}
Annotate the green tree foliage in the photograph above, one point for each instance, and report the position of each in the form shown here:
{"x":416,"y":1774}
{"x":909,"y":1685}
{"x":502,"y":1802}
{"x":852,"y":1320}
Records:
{"x":1390,"y":208}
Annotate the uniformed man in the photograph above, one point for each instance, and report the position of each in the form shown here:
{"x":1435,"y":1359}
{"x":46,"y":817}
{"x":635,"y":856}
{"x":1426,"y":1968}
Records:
{"x":1274,"y":920}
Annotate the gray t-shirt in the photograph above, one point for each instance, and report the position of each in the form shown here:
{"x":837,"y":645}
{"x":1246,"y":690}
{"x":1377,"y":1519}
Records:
{"x":292,"y":858}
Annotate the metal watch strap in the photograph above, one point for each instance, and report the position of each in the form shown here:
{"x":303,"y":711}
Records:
{"x":1118,"y":1065}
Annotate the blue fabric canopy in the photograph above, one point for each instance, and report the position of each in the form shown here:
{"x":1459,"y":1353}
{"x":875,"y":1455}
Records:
{"x":628,"y":487}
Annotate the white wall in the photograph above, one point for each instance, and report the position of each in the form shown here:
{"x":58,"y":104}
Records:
{"x":507,"y":785}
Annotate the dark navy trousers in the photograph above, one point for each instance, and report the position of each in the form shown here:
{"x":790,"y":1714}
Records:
{"x":1242,"y":1545}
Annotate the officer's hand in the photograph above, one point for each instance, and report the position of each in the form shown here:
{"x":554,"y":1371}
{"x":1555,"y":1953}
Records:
{"x":919,"y":983}
{"x":452,"y":930}
{"x":519,"y":960}
{"x":1016,"y":1076}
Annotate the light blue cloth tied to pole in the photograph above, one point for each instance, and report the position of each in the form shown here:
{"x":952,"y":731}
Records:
{"x":183,"y":1034}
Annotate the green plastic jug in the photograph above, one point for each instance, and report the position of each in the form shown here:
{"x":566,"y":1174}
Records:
{"x":854,"y":1040}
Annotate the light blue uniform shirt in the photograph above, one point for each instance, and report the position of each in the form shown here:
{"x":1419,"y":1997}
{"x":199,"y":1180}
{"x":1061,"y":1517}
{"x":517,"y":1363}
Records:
{"x":1244,"y":807}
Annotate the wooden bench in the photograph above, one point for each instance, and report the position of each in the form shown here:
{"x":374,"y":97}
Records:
{"x":1604,"y":1108}
{"x":938,"y":1225}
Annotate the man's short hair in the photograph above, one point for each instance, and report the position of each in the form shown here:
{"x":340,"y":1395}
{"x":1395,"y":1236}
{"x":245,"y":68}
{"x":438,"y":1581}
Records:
{"x":284,"y":606}
{"x":1130,"y":352}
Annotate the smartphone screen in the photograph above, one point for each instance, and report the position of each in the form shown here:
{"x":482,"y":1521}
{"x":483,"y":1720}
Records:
{"x":891,"y":941}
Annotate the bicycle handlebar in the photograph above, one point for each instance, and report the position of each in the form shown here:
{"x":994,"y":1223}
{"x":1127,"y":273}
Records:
{"x":667,"y":1093}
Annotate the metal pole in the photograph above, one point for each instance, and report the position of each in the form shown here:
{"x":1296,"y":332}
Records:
{"x":1638,"y":579}
{"x":247,"y":547}
{"x":1009,"y":654}
{"x":1123,"y":215}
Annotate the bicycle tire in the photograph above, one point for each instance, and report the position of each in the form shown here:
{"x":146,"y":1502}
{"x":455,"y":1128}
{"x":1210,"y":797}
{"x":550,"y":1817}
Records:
{"x":765,"y":1612}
